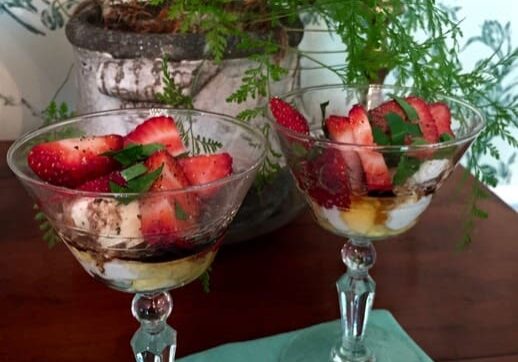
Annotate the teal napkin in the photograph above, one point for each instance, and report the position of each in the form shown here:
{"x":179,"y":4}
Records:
{"x":385,"y":338}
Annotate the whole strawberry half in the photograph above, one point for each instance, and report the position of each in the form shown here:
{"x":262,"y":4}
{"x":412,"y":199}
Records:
{"x":377,"y":115}
{"x":72,"y":162}
{"x":165,"y":218}
{"x":426,"y":121}
{"x":376,"y":171}
{"x":102,"y":184}
{"x":325,"y":179}
{"x":161,"y":129}
{"x":442,"y":116}
{"x":203,"y":169}
{"x":340,"y":130}
{"x":288,"y":117}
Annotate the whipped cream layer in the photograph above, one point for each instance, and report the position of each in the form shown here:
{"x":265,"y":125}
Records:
{"x":113,"y":221}
{"x":429,"y":171}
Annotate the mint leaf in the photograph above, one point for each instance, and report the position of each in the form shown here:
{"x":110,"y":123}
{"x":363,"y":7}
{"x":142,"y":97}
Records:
{"x":116,"y":188}
{"x":406,"y":167}
{"x":445,"y":137}
{"x":134,"y":153}
{"x":418,"y":141}
{"x":137,"y":185}
{"x":380,"y":138}
{"x":180,"y":212}
{"x":414,"y":129}
{"x":299,"y":150}
{"x":134,"y":171}
{"x":398,"y":128}
{"x":407,"y":108}
{"x":143,"y":183}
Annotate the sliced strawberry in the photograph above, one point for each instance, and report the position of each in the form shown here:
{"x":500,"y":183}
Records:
{"x":161,"y":129}
{"x":288,"y":117}
{"x":206,"y":168}
{"x":165,"y":218}
{"x":377,"y":115}
{"x":374,"y":166}
{"x":102,"y":184}
{"x":325,"y":179}
{"x":340,"y":130}
{"x":426,"y":121}
{"x":71,"y":162}
{"x":442,"y":117}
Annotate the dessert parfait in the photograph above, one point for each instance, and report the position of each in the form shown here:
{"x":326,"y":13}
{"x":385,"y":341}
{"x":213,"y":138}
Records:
{"x":368,"y":160}
{"x":142,"y":198}
{"x":357,"y":175}
{"x":138,"y":210}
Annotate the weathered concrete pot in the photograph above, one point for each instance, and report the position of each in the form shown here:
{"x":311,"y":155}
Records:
{"x":116,"y":69}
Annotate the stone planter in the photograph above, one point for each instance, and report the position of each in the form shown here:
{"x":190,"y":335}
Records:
{"x":116,"y":69}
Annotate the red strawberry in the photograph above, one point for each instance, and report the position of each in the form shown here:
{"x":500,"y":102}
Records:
{"x":324,"y":179}
{"x":377,"y":115}
{"x":340,"y":130}
{"x":426,"y":121}
{"x":206,"y":168}
{"x":165,"y":218}
{"x":161,"y":129}
{"x":71,"y":162}
{"x":442,"y":117}
{"x":374,"y":166}
{"x":102,"y":184}
{"x":288,"y":117}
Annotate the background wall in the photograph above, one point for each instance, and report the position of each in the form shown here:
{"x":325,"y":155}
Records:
{"x":35,"y":61}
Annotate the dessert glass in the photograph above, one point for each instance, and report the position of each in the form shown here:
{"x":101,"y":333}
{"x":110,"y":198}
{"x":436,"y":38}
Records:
{"x":371,"y":215}
{"x":102,"y":230}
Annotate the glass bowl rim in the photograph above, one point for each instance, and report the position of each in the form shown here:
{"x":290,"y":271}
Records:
{"x":384,"y":148}
{"x":91,"y":115}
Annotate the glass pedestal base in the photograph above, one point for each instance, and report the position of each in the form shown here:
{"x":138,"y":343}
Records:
{"x":319,"y":343}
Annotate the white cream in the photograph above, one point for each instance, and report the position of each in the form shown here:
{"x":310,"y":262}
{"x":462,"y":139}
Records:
{"x":334,"y":218}
{"x":406,"y":213}
{"x":113,"y":221}
{"x":429,"y":170}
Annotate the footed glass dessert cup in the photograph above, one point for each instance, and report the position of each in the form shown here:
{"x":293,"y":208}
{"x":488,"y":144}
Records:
{"x":103,"y":229}
{"x":368,"y":170}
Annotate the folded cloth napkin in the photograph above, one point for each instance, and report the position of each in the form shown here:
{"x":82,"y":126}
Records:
{"x":385,"y":338}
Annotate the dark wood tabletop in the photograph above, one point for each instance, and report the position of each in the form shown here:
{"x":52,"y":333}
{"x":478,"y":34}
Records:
{"x":458,"y":306}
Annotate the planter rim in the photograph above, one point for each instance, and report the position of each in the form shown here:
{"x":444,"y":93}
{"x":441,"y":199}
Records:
{"x":82,"y":32}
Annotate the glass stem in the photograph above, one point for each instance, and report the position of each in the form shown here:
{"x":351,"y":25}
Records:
{"x":154,"y":341}
{"x":356,"y":295}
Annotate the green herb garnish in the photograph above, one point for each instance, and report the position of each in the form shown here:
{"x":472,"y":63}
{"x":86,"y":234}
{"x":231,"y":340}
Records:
{"x":134,"y":153}
{"x":299,"y":150}
{"x":143,"y":183}
{"x":380,"y":138}
{"x":406,"y":167}
{"x":180,"y":212}
{"x":407,"y":108}
{"x":136,"y":185}
{"x":445,"y":137}
{"x":133,"y":171}
{"x":398,"y":128}
{"x":418,"y":141}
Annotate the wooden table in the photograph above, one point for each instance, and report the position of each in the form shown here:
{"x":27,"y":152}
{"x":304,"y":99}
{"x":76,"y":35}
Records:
{"x":458,"y":306}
